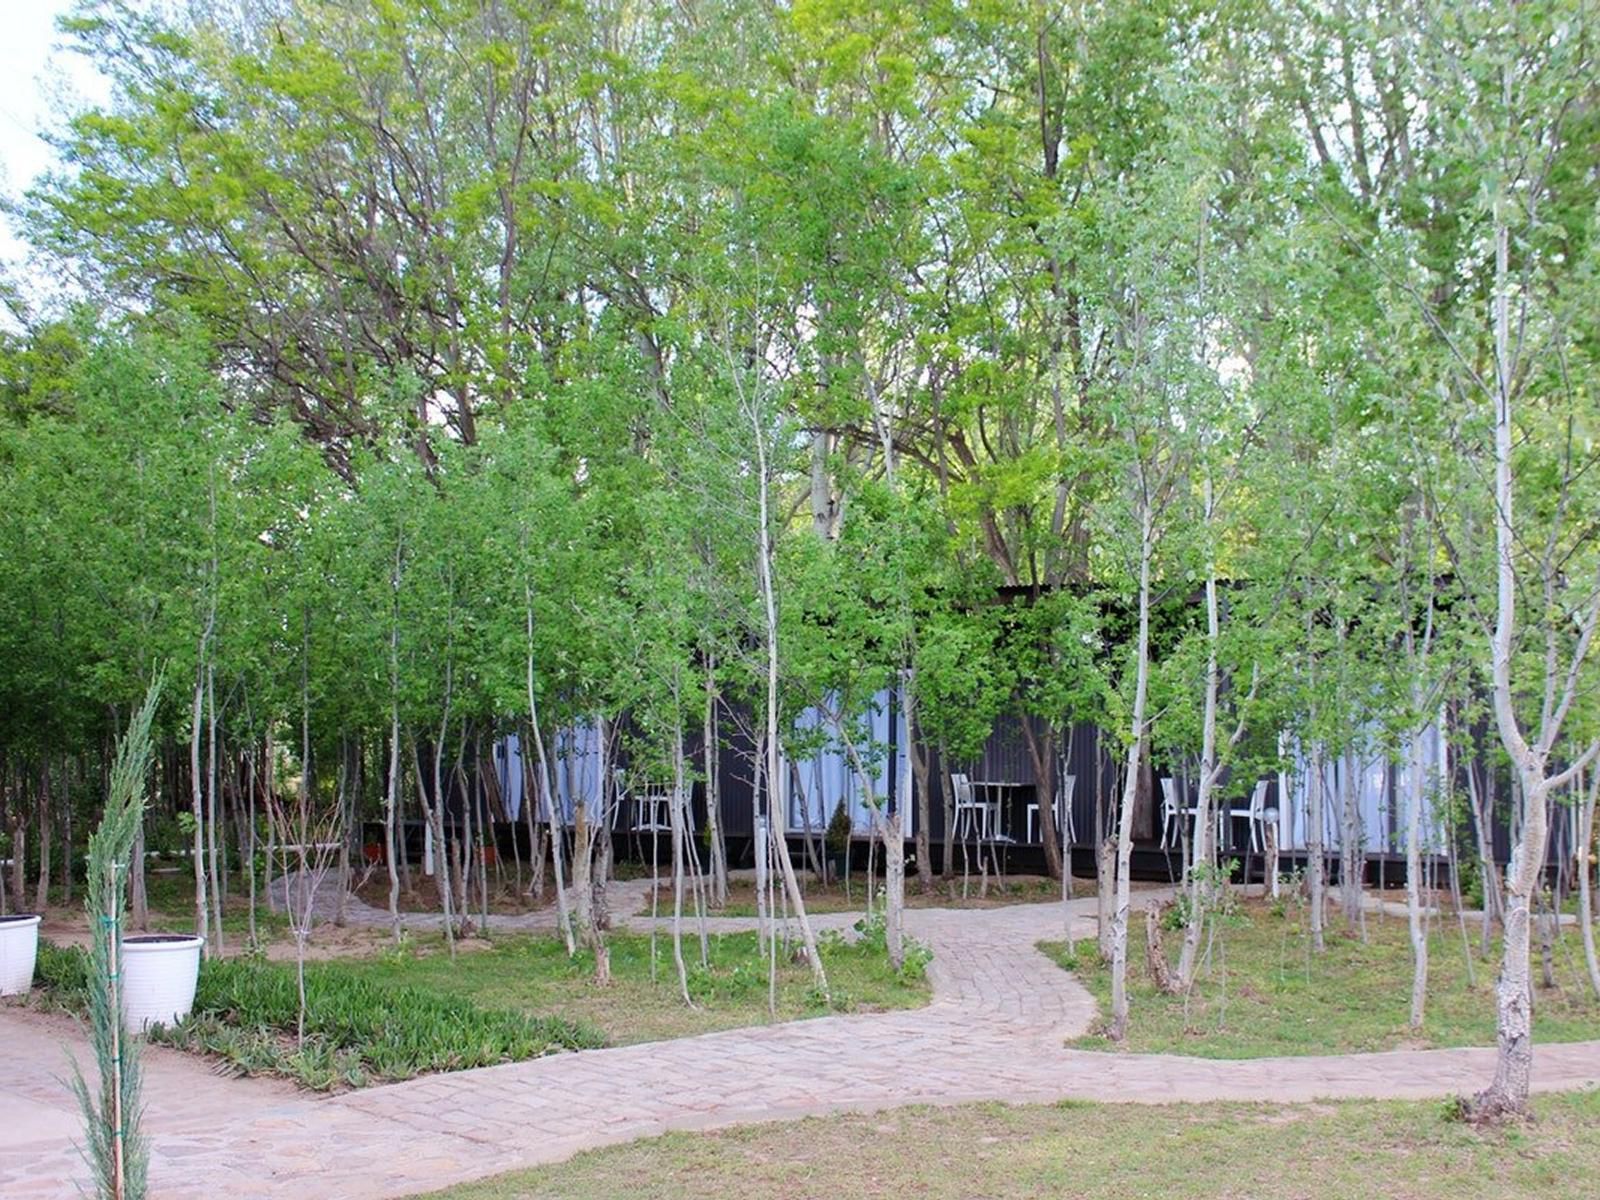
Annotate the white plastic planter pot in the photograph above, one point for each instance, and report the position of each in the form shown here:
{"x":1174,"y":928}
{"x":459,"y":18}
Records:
{"x":19,"y":947}
{"x":159,"y":971}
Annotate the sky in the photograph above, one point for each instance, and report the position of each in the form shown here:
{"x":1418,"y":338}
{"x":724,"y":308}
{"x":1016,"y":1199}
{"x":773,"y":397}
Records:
{"x":34,"y":76}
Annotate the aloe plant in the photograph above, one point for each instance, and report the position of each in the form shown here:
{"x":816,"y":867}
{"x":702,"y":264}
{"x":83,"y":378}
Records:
{"x":117,"y":1152}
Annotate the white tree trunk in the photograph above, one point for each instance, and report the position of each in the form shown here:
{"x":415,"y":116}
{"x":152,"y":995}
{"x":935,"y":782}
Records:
{"x":214,"y":826}
{"x":1316,"y":847}
{"x":718,"y":849}
{"x":1352,"y":864}
{"x":888,"y":828}
{"x":1508,"y":1093}
{"x":563,"y":916}
{"x":677,"y":822}
{"x":390,"y":841}
{"x":1105,"y":893}
{"x":202,"y":921}
{"x":1415,"y":917}
{"x":1119,"y":920}
{"x":1203,"y":852}
{"x":391,"y":792}
{"x":775,"y":811}
{"x":1585,"y":868}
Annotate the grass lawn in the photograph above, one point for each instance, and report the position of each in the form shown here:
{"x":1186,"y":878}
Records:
{"x":1407,"y":1151}
{"x":533,"y":975}
{"x":1263,"y":994}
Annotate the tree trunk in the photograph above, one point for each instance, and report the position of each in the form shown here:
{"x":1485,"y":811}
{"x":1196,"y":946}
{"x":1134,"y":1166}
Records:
{"x":1203,"y":850}
{"x":1316,"y":850}
{"x":1105,"y":888}
{"x":920,"y":780}
{"x":770,"y":607}
{"x":563,"y":917}
{"x":1042,"y":752}
{"x":248,"y":845}
{"x":139,"y":898}
{"x":202,"y":919}
{"x":1415,"y":918}
{"x":41,"y":894}
{"x":888,"y":828}
{"x":1507,"y":1095}
{"x":1137,"y":734}
{"x":346,"y":789}
{"x":461,"y":853}
{"x":1351,"y":865}
{"x":600,"y":875}
{"x":677,"y":823}
{"x":214,"y":828}
{"x":718,"y":847}
{"x":390,"y":808}
{"x":433,"y":815}
{"x":66,"y":833}
{"x":1482,"y":800}
{"x":762,"y":799}
{"x":1585,"y":867}
{"x":1155,"y":953}
{"x":948,"y":865}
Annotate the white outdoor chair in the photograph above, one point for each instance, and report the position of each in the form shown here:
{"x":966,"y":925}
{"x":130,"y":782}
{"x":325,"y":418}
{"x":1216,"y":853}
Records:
{"x":1254,"y":815}
{"x":1063,"y":809}
{"x":1170,"y":813}
{"x":972,"y":814}
{"x":652,"y":805}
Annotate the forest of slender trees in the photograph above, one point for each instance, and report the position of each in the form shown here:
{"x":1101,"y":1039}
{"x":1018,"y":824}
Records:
{"x":422,"y":373}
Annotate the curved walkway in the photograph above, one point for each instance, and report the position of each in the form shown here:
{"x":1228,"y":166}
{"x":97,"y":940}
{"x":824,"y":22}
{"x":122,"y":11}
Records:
{"x":994,"y":1031}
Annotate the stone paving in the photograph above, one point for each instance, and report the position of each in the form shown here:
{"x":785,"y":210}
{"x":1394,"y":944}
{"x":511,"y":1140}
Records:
{"x":994,"y":1030}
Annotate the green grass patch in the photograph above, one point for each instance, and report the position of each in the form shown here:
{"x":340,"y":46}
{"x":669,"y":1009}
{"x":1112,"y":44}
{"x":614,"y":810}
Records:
{"x":1262,"y":991}
{"x":1348,"y":1151}
{"x":358,"y":1031}
{"x":416,"y":1010}
{"x":532,"y":974}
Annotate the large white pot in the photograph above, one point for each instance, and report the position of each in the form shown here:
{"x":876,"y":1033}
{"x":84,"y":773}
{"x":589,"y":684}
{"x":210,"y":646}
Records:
{"x":159,"y":971}
{"x":19,"y":947}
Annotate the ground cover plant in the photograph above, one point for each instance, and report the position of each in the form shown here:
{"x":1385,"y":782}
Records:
{"x":1260,"y":992}
{"x":1345,"y":1151}
{"x":357,"y":1030}
{"x":641,"y":1003}
{"x":418,"y":1009}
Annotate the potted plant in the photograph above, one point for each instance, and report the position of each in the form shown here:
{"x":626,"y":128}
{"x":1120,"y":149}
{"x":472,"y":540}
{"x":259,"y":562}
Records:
{"x":19,"y":947}
{"x":159,"y":973}
{"x":837,"y":839}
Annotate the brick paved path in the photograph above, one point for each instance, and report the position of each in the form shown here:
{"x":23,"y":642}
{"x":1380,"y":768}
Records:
{"x":993,"y":1031}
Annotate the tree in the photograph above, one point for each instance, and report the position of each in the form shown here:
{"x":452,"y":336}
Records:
{"x":1504,"y":85}
{"x":118,"y":1152}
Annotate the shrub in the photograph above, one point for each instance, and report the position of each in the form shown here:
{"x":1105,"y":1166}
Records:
{"x":61,"y":975}
{"x":357,"y":1032}
{"x":839,"y":830}
{"x":873,"y":936}
{"x":246,"y":1012}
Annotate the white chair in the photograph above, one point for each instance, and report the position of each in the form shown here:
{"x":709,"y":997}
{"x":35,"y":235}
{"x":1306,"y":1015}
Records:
{"x":1063,"y":808}
{"x":972,"y":814}
{"x":1171,"y":814}
{"x":652,"y":805}
{"x":1254,"y":815}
